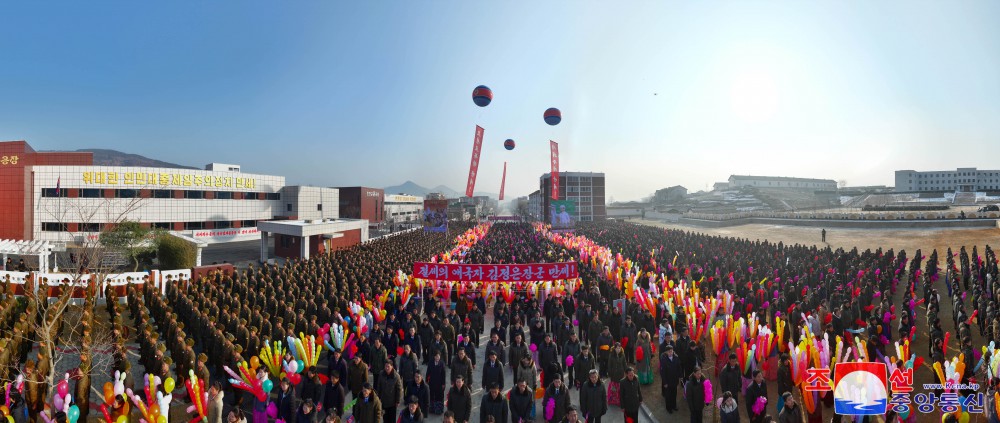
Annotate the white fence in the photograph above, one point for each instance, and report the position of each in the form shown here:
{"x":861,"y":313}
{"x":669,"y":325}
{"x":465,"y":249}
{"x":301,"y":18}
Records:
{"x":55,"y":282}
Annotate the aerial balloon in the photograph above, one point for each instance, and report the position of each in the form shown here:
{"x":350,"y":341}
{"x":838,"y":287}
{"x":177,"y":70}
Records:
{"x":553,"y":116}
{"x":509,"y":144}
{"x":482,"y":96}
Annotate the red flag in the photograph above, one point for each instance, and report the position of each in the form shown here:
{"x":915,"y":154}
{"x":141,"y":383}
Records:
{"x":554,"y":147}
{"x":503,"y":181}
{"x":474,"y":165}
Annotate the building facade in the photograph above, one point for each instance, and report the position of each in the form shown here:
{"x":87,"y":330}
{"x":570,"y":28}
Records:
{"x":535,"y":205}
{"x":585,"y":188}
{"x":737,"y":181}
{"x":63,"y":197}
{"x":963,"y":179}
{"x":362,"y":203}
{"x":403,"y":208}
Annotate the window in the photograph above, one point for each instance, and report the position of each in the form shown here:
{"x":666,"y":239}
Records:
{"x":126,"y":193}
{"x":273,"y":196}
{"x":288,"y":207}
{"x":163,"y":225}
{"x":248,"y":223}
{"x":319,"y":207}
{"x":194,"y":225}
{"x":53,"y":227}
{"x":51,"y":192}
{"x":223,"y":224}
{"x":194,"y":195}
{"x":162,"y":193}
{"x":224,"y":195}
{"x":286,"y":241}
{"x":90,"y":227}
{"x":90,"y":193}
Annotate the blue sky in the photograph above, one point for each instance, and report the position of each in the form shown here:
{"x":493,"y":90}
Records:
{"x":653,"y":93}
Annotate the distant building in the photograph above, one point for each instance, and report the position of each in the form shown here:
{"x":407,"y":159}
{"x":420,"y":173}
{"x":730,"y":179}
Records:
{"x":585,"y":188}
{"x":403,"y":207}
{"x":736,"y":181}
{"x":436,"y":196}
{"x":963,"y":179}
{"x":669,"y":195}
{"x":535,"y":205}
{"x":720,"y":186}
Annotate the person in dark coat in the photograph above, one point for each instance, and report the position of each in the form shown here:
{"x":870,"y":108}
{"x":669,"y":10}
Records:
{"x":408,"y":364}
{"x":492,"y":371}
{"x":418,"y":389}
{"x":731,"y":378}
{"x":286,"y":402}
{"x":557,"y":393}
{"x":548,"y":353}
{"x":411,"y":414}
{"x":337,"y":364}
{"x":493,"y":404}
{"x":436,"y":382}
{"x":631,"y":395}
{"x":334,"y":395}
{"x":307,"y":413}
{"x":521,"y":400}
{"x":368,"y":409}
{"x":785,"y":383}
{"x":583,"y":364}
{"x":389,"y":387}
{"x":497,"y":346}
{"x":312,"y":388}
{"x":460,"y":400}
{"x":756,"y":390}
{"x":593,"y":398}
{"x":694,"y":391}
{"x":670,"y":376}
{"x":461,"y":366}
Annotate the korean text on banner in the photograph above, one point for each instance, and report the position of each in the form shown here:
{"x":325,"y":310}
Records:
{"x":554,"y":146}
{"x":477,"y":145}
{"x":495,"y":272}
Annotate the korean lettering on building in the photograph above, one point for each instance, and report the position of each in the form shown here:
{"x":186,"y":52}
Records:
{"x":9,"y":160}
{"x":167,"y":180}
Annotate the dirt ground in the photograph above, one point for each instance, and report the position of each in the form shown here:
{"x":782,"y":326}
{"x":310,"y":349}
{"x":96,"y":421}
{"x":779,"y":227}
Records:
{"x":907,"y":239}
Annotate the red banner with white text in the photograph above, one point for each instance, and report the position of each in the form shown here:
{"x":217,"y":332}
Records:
{"x":495,"y":272}
{"x":503,"y":181}
{"x":554,"y":146}
{"x":477,"y":146}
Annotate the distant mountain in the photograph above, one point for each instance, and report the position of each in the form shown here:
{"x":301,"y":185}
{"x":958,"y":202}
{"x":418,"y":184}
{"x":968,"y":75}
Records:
{"x":412,"y":188}
{"x":103,"y":157}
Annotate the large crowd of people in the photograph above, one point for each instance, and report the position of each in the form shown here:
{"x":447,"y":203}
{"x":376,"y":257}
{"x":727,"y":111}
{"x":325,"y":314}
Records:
{"x":586,"y":353}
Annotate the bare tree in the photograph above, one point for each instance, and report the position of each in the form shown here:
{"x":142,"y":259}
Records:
{"x":63,"y":326}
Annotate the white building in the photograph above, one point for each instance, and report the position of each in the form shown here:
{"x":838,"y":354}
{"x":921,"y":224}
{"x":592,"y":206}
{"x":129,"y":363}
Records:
{"x":403,"y":208}
{"x":963,"y":179}
{"x":736,"y":181}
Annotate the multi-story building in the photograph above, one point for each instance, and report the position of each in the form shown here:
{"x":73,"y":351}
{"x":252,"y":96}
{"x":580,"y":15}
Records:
{"x":585,"y":188}
{"x":362,"y":203}
{"x":736,"y":181}
{"x":400,"y":208}
{"x":63,"y":197}
{"x":963,"y":179}
{"x":535,"y":205}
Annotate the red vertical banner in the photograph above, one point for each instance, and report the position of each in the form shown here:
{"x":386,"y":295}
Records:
{"x":477,"y":145}
{"x":503,"y":181}
{"x":554,"y":146}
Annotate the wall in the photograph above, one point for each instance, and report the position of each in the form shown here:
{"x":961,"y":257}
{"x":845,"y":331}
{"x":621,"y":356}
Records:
{"x":350,"y":238}
{"x":858,"y":224}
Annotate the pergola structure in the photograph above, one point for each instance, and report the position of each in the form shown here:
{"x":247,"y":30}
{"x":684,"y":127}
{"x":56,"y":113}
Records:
{"x":42,"y":249}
